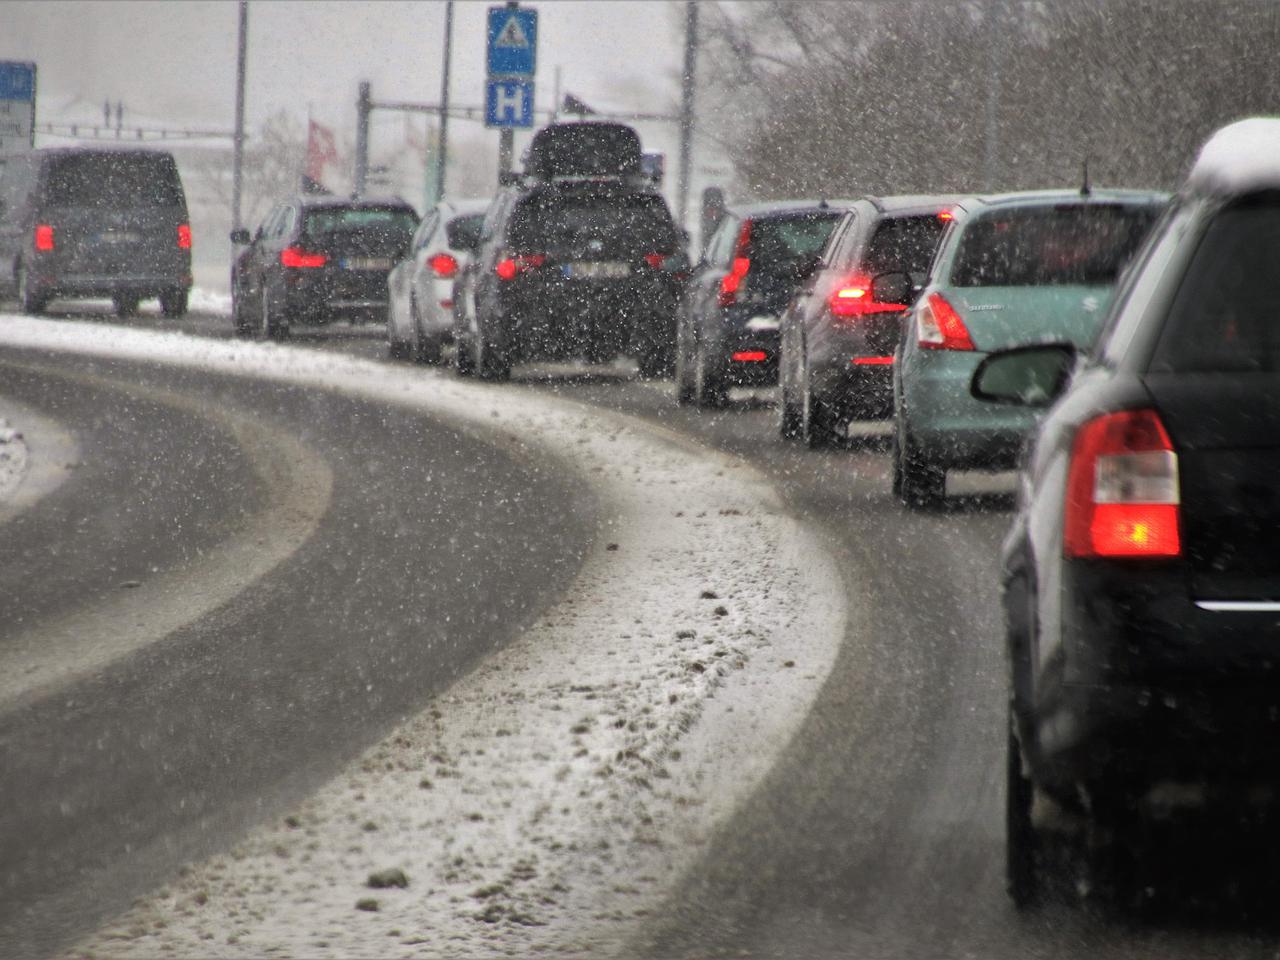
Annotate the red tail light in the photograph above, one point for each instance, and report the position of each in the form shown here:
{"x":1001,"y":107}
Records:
{"x":853,"y":299}
{"x":939,"y":327}
{"x":297,"y":257}
{"x":655,"y":260}
{"x":44,"y":237}
{"x":750,"y":356}
{"x":508,"y":267}
{"x":443,"y":265}
{"x":732,"y":280}
{"x":1122,"y":489}
{"x":184,"y":236}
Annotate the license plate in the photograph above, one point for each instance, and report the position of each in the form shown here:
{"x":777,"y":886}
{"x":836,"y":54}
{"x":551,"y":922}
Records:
{"x":597,"y":270}
{"x":119,"y":236}
{"x":367,"y":263}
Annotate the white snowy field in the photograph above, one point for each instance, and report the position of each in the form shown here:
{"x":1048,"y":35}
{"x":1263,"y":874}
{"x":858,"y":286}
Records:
{"x":549,"y":800}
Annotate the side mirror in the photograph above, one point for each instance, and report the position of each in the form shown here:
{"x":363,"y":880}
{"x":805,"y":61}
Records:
{"x":893,"y":288}
{"x":1033,"y":376}
{"x":240,"y":236}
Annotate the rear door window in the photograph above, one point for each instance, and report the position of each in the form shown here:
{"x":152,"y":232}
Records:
{"x":613,"y":225}
{"x":1069,"y":243}
{"x":1223,"y":317}
{"x":110,"y":181}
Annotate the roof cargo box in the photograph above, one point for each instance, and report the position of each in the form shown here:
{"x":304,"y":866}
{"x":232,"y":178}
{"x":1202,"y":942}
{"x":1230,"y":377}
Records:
{"x":584,"y":150}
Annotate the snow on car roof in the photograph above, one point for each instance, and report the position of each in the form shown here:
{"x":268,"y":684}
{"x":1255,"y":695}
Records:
{"x":1241,"y":157}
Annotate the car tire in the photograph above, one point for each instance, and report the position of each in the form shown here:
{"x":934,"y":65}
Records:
{"x":173,"y":303}
{"x":491,"y":363}
{"x":272,"y":327}
{"x":125,"y":304}
{"x":242,"y":324}
{"x":656,"y":362}
{"x":1022,"y":840}
{"x":396,"y":349}
{"x":818,"y":424}
{"x":464,"y":364}
{"x":30,"y":299}
{"x":917,"y":482}
{"x":709,"y":388}
{"x":683,"y":375}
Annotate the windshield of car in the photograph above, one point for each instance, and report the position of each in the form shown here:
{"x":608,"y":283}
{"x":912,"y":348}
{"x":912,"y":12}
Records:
{"x":785,"y":241}
{"x":392,"y":222}
{"x":1223,"y":318}
{"x":114,"y":181}
{"x":1085,"y":244}
{"x":619,"y":224}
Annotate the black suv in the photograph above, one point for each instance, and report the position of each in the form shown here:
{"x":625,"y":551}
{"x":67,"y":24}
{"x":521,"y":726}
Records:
{"x":579,"y":258}
{"x":1142,"y":576}
{"x":95,"y":222}
{"x":728,"y":325}
{"x":318,"y":259}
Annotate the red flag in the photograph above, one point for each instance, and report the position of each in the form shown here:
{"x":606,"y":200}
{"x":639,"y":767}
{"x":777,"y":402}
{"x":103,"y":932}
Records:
{"x":322,"y":149}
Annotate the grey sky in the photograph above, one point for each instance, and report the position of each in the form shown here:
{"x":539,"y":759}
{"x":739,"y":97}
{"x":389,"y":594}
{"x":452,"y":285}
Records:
{"x":175,"y":61}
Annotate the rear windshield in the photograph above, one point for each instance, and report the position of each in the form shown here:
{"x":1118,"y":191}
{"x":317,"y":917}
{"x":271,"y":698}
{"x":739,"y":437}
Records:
{"x":628,"y":224}
{"x":904,"y":245}
{"x":788,"y":240}
{"x":114,"y":181}
{"x":464,"y":228}
{"x":1085,"y":244}
{"x":1224,"y":317}
{"x":392,"y":222}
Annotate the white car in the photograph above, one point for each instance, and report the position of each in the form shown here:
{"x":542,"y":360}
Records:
{"x":420,"y":306}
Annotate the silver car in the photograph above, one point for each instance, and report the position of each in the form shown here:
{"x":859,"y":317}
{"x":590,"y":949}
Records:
{"x":420,"y":306}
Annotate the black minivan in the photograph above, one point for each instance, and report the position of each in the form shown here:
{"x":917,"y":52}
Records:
{"x":95,"y":222}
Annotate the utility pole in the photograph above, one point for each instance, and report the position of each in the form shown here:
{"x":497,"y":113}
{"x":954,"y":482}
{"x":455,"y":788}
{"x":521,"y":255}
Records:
{"x":237,"y":163}
{"x":442,"y":157}
{"x":991,"y":147}
{"x":363,"y":106}
{"x":686,"y":106}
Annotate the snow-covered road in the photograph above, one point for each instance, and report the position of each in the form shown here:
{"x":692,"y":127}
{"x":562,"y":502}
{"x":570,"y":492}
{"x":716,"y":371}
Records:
{"x":549,"y":799}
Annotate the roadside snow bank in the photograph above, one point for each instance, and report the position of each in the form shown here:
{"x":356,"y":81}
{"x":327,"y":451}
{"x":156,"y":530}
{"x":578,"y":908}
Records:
{"x":549,"y":800}
{"x":13,"y":459}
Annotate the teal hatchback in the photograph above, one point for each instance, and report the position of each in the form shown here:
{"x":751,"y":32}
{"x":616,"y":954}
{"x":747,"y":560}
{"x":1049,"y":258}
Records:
{"x":1012,"y":269}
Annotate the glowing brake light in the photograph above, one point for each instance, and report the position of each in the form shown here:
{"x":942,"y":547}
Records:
{"x":939,"y":327}
{"x":852,"y":298}
{"x":750,"y":356}
{"x":946,"y":215}
{"x":443,"y":265}
{"x":184,"y":236}
{"x":1122,"y":489}
{"x":732,"y":280}
{"x":508,"y":267}
{"x":44,"y":237}
{"x":298,"y":257}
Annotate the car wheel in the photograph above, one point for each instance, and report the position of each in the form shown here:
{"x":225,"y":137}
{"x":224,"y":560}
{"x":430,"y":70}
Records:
{"x":683,"y":374}
{"x":30,"y":299}
{"x":817,"y":422}
{"x":655,"y":362}
{"x":125,"y":304}
{"x":273,"y":327}
{"x":243,"y":327}
{"x":1022,"y":841}
{"x":491,"y":363}
{"x":426,"y":350}
{"x":917,"y":482}
{"x":173,"y":303}
{"x":709,"y":389}
{"x":789,"y":414}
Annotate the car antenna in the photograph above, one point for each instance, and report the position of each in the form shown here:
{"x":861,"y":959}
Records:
{"x":822,"y":204}
{"x":1085,"y":188}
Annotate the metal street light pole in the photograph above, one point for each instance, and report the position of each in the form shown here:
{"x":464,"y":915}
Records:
{"x":242,"y":49}
{"x":686,"y":106}
{"x":442,"y":158}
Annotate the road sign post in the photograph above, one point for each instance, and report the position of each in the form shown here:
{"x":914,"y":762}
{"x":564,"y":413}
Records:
{"x":511,"y":55}
{"x":17,"y":107}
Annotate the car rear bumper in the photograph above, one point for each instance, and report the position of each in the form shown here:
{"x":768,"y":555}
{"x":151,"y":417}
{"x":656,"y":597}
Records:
{"x":1156,"y":686}
{"x":562,"y":320}
{"x":151,"y":284}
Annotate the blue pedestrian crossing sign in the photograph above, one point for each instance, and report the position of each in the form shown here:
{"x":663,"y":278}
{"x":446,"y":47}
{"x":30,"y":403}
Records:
{"x":513,"y":42}
{"x":508,"y":102}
